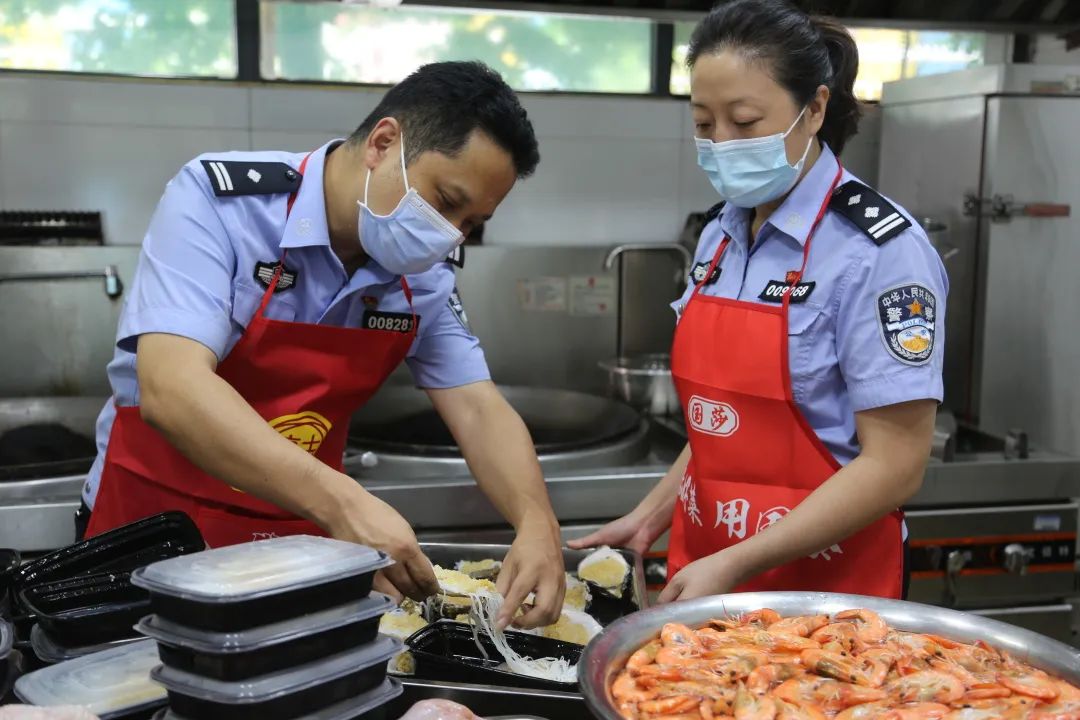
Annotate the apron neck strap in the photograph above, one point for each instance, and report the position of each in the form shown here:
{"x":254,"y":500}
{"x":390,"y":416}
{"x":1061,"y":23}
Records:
{"x":810,"y":236}
{"x":281,"y":263}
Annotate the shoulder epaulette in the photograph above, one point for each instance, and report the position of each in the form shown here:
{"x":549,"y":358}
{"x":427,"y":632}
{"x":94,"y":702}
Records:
{"x":713,"y":212}
{"x":243,"y":177}
{"x":457,"y":256}
{"x":868,"y":211}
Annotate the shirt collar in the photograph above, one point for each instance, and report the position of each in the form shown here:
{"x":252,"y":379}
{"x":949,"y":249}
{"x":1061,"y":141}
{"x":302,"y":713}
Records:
{"x":796,"y":215}
{"x":306,"y":226}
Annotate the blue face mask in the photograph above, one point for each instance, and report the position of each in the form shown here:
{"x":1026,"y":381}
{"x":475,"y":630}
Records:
{"x":411,"y":239}
{"x":753,"y":171}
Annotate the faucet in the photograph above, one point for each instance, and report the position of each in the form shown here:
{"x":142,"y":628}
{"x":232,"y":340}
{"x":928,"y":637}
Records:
{"x":113,"y":286}
{"x":676,"y":248}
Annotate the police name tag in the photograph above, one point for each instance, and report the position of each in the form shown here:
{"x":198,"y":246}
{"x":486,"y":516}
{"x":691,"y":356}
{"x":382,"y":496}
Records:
{"x":774,"y":292}
{"x":390,"y":321}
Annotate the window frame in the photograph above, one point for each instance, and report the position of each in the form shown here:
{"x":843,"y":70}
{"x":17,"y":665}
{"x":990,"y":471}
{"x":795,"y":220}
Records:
{"x":247,"y":14}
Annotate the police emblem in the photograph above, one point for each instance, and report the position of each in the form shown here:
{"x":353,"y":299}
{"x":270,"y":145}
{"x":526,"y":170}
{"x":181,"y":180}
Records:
{"x":907,"y":315}
{"x":264,"y":275}
{"x":697,"y":275}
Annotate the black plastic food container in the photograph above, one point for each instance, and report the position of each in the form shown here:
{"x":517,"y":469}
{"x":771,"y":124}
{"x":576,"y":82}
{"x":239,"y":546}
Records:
{"x":245,"y":586}
{"x":50,"y":652}
{"x":371,"y":705}
{"x":446,"y":650}
{"x":284,"y":695}
{"x":87,"y":610}
{"x":121,"y":550}
{"x":247,"y":654}
{"x":113,"y":684}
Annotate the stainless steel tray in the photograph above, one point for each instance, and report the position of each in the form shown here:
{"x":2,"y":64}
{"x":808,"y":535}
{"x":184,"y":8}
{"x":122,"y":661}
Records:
{"x":446,"y":554}
{"x":607,"y":653}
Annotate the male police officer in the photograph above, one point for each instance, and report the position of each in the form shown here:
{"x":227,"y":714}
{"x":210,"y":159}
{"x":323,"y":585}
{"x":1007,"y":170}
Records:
{"x":276,"y":291}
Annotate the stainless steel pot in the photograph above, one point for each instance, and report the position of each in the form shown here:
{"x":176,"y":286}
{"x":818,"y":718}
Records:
{"x":643,"y":382}
{"x":608,"y":652}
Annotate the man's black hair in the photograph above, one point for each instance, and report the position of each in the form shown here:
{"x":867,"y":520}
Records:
{"x":441,"y":104}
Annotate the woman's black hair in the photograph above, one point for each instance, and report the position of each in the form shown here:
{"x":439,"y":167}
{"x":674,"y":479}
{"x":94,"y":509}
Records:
{"x":802,"y":52}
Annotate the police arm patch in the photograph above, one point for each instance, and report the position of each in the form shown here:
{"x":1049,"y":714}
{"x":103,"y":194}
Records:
{"x":458,"y":309}
{"x":907,"y":316}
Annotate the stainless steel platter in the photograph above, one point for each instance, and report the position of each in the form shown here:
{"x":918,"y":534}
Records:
{"x":607,"y":653}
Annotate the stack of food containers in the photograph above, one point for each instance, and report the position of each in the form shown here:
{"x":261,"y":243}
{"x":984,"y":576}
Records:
{"x":277,"y":629}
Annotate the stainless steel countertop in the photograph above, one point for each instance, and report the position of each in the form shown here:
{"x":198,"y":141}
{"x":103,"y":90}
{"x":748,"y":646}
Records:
{"x":445,"y":503}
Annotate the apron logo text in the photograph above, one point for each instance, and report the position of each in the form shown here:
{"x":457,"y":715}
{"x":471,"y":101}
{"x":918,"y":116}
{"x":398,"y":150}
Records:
{"x":712,"y":417}
{"x":688,"y":496}
{"x":732,"y":515}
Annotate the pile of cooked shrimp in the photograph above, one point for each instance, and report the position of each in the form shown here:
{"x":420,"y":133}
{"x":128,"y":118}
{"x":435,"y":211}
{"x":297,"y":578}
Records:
{"x":849,"y":666}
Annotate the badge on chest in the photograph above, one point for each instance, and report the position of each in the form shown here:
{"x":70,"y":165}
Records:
{"x":774,"y":291}
{"x":390,"y":321}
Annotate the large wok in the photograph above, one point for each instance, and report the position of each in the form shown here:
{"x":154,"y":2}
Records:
{"x":608,"y":652}
{"x":402,"y":420}
{"x":47,"y":436}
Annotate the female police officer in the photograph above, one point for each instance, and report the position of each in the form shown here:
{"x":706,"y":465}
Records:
{"x":276,"y":291}
{"x":808,"y":350}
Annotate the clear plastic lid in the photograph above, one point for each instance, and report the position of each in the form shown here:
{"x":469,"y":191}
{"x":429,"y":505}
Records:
{"x":217,"y":643}
{"x":7,"y":638}
{"x":52,"y":652}
{"x":108,"y":683}
{"x":275,"y":685}
{"x":344,"y":710}
{"x":258,"y":569}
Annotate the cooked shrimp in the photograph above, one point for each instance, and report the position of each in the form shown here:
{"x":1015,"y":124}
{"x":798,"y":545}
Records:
{"x":842,"y":633}
{"x":829,"y":695}
{"x":793,"y":711}
{"x":917,"y":711}
{"x":626,"y":689}
{"x":1031,"y":682}
{"x":762,"y":679}
{"x":869,"y":626}
{"x":677,"y":635}
{"x":865,"y":711}
{"x":764,"y":616}
{"x":861,"y":671}
{"x":643,"y":655}
{"x":669,"y":705}
{"x":749,"y":706}
{"x":802,"y":625}
{"x":926,"y":686}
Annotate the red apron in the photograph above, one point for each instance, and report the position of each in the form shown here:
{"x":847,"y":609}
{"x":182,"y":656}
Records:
{"x":754,"y":455}
{"x":305,"y":379}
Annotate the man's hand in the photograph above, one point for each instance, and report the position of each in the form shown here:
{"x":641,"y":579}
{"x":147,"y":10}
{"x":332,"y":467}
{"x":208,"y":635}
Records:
{"x":368,"y":520}
{"x":533,"y":565}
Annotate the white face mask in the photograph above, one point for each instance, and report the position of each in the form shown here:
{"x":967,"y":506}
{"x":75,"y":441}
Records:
{"x":752,"y":171}
{"x":411,"y":239}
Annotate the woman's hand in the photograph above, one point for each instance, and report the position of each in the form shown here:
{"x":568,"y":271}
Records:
{"x":714,"y":574}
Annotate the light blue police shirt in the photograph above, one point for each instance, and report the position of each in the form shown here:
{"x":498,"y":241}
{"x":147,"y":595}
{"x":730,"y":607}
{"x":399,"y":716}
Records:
{"x":196,"y":278}
{"x":842,"y":335}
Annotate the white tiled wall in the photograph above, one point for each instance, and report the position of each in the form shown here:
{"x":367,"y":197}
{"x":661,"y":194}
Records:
{"x":612,"y":169}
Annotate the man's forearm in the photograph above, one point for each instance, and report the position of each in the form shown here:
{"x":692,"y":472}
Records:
{"x":213,"y":426}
